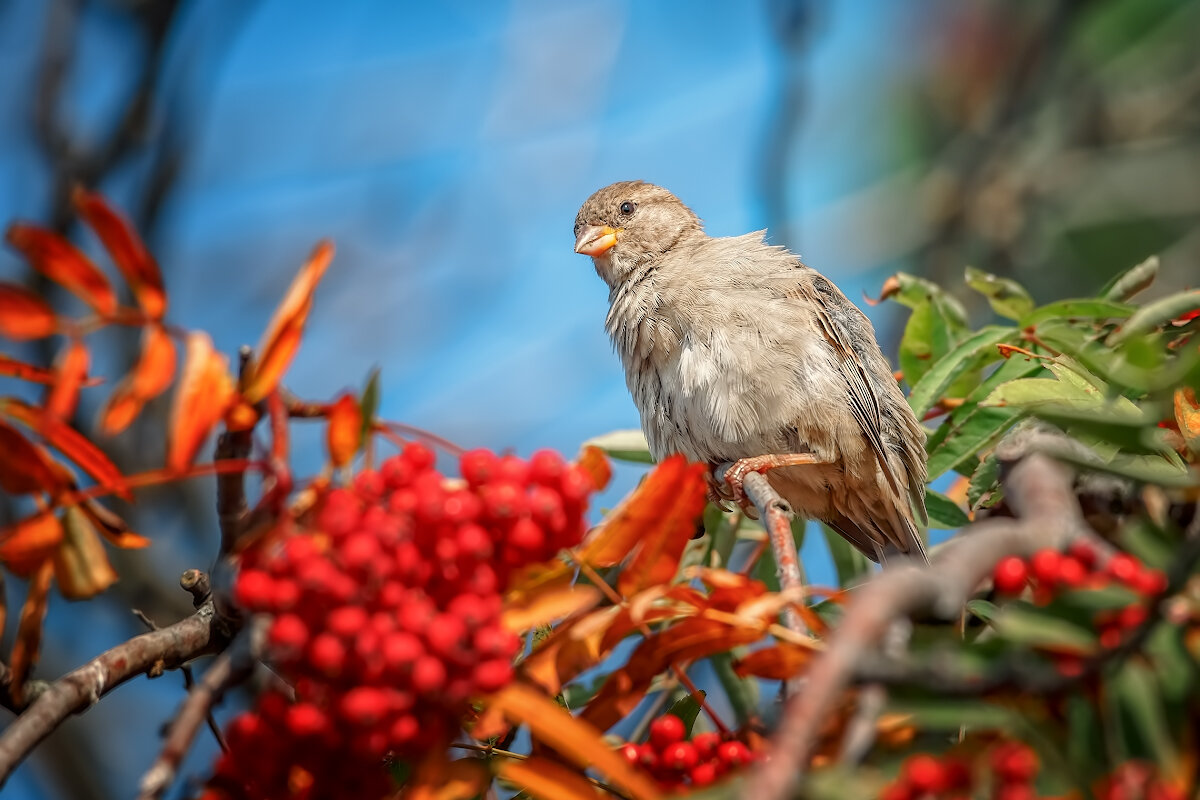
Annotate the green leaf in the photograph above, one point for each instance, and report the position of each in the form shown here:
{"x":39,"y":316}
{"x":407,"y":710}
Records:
{"x":985,"y":610}
{"x":944,"y":513}
{"x":1107,"y":598}
{"x":1025,"y":625}
{"x":848,"y":562}
{"x":1126,"y":284}
{"x":1139,"y":468}
{"x":1175,"y":668}
{"x":369,"y":403}
{"x":624,"y":445}
{"x":951,"y":714}
{"x":1140,"y":700}
{"x":1006,"y":297}
{"x":1076,"y":309}
{"x":985,"y":480}
{"x":914,"y":292}
{"x":982,"y":428}
{"x":971,"y":352}
{"x":721,"y":536}
{"x":1155,"y":314}
{"x":686,"y":708}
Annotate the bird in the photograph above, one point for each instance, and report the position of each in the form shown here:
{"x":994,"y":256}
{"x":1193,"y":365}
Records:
{"x":735,"y":351}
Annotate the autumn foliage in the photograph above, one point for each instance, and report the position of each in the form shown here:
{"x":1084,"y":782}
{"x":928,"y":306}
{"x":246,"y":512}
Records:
{"x":446,"y":633}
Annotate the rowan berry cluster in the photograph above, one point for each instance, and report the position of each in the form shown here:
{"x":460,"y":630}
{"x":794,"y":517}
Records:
{"x":1013,"y":767}
{"x":676,"y":761}
{"x":386,"y":617}
{"x":1050,"y":571}
{"x":1138,"y":780}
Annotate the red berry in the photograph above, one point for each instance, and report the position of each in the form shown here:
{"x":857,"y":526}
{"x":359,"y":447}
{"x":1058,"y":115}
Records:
{"x":446,"y":635}
{"x":346,"y":621}
{"x":502,"y":501}
{"x":1072,"y":573}
{"x":1123,"y":567}
{"x":706,"y":744}
{"x":428,"y":674}
{"x":1149,"y":582}
{"x":327,"y":654}
{"x":703,"y":774}
{"x":1010,"y":575}
{"x":419,"y":457}
{"x":576,"y":485}
{"x":527,"y":537}
{"x":1110,"y":638}
{"x":679,"y":756}
{"x":396,"y":472}
{"x":1044,"y":566}
{"x":288,"y":635}
{"x":339,"y":513}
{"x":629,"y":752}
{"x":478,"y":466}
{"x":363,"y":706}
{"x":512,"y":469}
{"x":666,"y":730}
{"x":359,"y":551}
{"x":1069,"y":666}
{"x":924,"y":773}
{"x":473,"y":542}
{"x":1132,"y":616}
{"x":1014,"y":762}
{"x":404,"y":729}
{"x":369,"y":486}
{"x":647,"y":756}
{"x":1083,"y":550}
{"x":899,"y":790}
{"x":254,"y":590}
{"x":492,"y":675}
{"x":546,"y":467}
{"x":1014,"y":791}
{"x":305,"y":719}
{"x":284,"y":595}
{"x":733,"y":754}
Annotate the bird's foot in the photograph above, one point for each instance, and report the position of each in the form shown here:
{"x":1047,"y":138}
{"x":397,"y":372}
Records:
{"x":735,"y":476}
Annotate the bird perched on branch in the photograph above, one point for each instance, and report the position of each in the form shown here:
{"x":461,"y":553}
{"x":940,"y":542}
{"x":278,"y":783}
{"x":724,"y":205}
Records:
{"x":735,"y":351}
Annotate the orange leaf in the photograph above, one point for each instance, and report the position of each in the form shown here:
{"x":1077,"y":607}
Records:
{"x":148,"y":379}
{"x":24,"y":315}
{"x":63,"y":263}
{"x":31,"y":542}
{"x":344,"y":433}
{"x":662,"y":540}
{"x":72,"y":370}
{"x":595,"y":463}
{"x":127,"y":250}
{"x":778,"y":663}
{"x":204,"y":393}
{"x":26,"y":372}
{"x":113,"y":527}
{"x":554,"y":602}
{"x":282,"y":337}
{"x":575,"y":740}
{"x":72,"y":444}
{"x":1187,"y":416}
{"x":438,"y":779}
{"x":24,"y":467}
{"x":29,"y":631}
{"x":546,"y":779}
{"x":80,"y":565}
{"x":573,"y":647}
{"x":639,"y":512}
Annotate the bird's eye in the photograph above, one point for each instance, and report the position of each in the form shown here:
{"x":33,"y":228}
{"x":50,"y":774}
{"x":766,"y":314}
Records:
{"x":628,"y":207}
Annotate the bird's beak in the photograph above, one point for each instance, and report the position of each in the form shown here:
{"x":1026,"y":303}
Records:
{"x":595,"y":240}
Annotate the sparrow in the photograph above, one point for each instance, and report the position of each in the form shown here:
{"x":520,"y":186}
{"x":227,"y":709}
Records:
{"x":737,"y":352}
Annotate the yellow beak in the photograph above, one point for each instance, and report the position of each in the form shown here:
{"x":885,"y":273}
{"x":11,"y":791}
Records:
{"x":595,"y":240}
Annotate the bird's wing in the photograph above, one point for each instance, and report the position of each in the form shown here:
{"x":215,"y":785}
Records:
{"x":849,"y":335}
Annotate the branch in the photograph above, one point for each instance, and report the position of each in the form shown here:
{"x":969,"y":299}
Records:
{"x":776,"y":515}
{"x":1040,"y":491}
{"x":229,"y":669}
{"x":167,"y":648}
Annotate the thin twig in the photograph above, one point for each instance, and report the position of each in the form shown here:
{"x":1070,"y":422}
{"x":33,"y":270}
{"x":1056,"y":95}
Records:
{"x":231,"y":667}
{"x":776,"y":515}
{"x":166,"y":648}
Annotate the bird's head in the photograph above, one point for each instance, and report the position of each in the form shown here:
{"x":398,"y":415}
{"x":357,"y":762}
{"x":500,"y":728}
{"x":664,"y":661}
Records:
{"x":629,"y":224}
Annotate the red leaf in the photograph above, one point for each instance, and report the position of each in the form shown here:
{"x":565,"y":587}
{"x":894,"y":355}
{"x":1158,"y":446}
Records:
{"x":344,"y":434}
{"x":26,"y":372}
{"x":282,"y":337}
{"x":63,"y":263}
{"x":29,"y":543}
{"x":24,"y":467}
{"x":127,"y":250}
{"x":204,"y":393}
{"x":150,"y":377}
{"x":435,"y":778}
{"x":24,"y":315}
{"x":662,"y":540}
{"x":595,"y":463}
{"x":29,"y":632}
{"x":81,"y":566}
{"x":113,"y":527}
{"x":72,"y":444}
{"x":619,"y":533}
{"x":779,"y":663}
{"x":545,"y":779}
{"x":72,"y":370}
{"x":552,"y":603}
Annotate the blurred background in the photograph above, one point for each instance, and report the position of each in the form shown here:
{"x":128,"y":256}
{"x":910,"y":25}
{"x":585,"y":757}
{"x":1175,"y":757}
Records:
{"x":446,"y":147}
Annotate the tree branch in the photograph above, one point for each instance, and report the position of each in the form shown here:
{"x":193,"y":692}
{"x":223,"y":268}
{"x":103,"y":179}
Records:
{"x":1040,"y":491}
{"x":167,"y":648}
{"x":776,"y":515}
